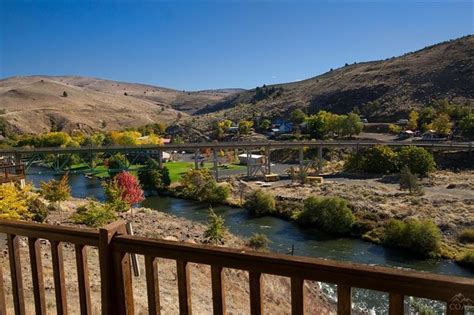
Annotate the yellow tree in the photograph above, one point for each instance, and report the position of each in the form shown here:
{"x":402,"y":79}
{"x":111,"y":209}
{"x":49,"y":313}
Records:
{"x":442,"y":124}
{"x":413,"y":120}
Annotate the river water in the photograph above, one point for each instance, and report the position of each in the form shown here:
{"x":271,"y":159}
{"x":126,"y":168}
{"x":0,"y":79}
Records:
{"x":284,"y":235}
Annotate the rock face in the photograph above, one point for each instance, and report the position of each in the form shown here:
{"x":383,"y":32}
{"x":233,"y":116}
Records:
{"x":382,"y":90}
{"x":158,"y":225}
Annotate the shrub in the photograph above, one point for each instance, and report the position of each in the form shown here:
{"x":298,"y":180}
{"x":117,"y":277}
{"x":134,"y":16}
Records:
{"x":421,"y":237}
{"x":215,"y":229}
{"x":259,"y":202}
{"x":394,"y":129}
{"x":116,"y":163}
{"x":64,"y":94}
{"x":409,"y":181}
{"x":466,"y":259}
{"x":56,"y":190}
{"x":331,"y":214}
{"x":199,"y":184}
{"x":418,"y":160}
{"x":113,"y":196}
{"x":258,"y":242}
{"x":38,"y":210}
{"x":466,"y":235}
{"x":362,"y":226}
{"x":13,"y":203}
{"x":380,"y":159}
{"x":94,"y":214}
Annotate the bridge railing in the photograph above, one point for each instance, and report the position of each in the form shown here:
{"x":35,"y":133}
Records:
{"x":10,"y":173}
{"x":115,"y":245}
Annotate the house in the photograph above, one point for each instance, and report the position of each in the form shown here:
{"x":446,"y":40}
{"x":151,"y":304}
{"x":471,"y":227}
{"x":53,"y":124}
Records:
{"x":286,"y":127}
{"x":254,"y":159}
{"x":431,"y":135}
{"x":233,"y":130}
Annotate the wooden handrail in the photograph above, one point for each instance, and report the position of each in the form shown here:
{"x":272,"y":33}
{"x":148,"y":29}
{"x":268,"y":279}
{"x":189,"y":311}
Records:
{"x":116,"y":282}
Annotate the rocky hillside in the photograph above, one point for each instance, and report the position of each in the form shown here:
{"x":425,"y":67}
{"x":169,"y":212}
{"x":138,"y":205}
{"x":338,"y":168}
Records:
{"x":36,"y":104}
{"x":382,"y":90}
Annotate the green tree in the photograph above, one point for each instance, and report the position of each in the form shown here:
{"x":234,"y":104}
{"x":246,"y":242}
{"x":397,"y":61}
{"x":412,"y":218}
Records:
{"x":113,"y":196}
{"x":318,"y":124}
{"x":332,"y":214}
{"x":245,"y":126}
{"x":199,"y":184}
{"x":116,"y":163}
{"x":380,"y":159}
{"x":297,"y":116}
{"x":94,"y":214}
{"x":419,"y":160}
{"x":215,"y":231}
{"x":413,"y":120}
{"x":265,"y":124}
{"x":409,"y":181}
{"x":442,"y":124}
{"x":466,"y":125}
{"x":56,"y":190}
{"x":259,"y":202}
{"x":351,"y":125}
{"x":153,"y":178}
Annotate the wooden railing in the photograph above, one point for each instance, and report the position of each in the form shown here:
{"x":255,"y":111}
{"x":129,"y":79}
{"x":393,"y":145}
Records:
{"x":9,"y":173}
{"x":115,"y":245}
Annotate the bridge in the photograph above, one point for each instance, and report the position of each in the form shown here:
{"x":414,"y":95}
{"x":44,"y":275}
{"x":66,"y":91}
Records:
{"x":34,"y":155}
{"x":116,"y":249}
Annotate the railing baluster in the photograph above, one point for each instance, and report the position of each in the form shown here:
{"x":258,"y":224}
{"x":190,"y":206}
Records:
{"x":83,"y":279}
{"x":184,"y":287}
{"x":218,"y":290}
{"x":255,"y":282}
{"x":297,"y":296}
{"x":395,"y":304}
{"x":37,"y":275}
{"x":152,"y":285}
{"x":344,"y":301}
{"x":15,"y":271}
{"x":3,"y":303}
{"x":58,"y":274}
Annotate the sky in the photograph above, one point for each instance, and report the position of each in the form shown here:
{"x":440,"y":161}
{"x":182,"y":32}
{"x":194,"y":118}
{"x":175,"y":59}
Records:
{"x":194,"y":45}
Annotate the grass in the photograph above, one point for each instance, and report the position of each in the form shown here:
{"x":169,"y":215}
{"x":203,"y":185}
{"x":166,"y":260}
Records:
{"x":176,"y":169}
{"x":466,"y":235}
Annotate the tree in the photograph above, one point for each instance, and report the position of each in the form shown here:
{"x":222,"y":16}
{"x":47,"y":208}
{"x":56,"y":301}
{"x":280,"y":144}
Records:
{"x":418,"y":160}
{"x":130,"y":188}
{"x":318,"y":124}
{"x":380,"y":159}
{"x":351,"y":125}
{"x":442,"y":124}
{"x":14,"y":203}
{"x":409,"y":181}
{"x":199,"y":184}
{"x":215,"y":231}
{"x":413,"y":120}
{"x":297,"y":116}
{"x":113,"y":196}
{"x":466,"y":125}
{"x":154,"y":178}
{"x":245,"y":126}
{"x":265,"y":124}
{"x":65,"y":94}
{"x":56,"y":190}
{"x":116,"y":163}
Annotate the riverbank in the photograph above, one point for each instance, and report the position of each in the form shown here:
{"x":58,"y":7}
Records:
{"x":154,"y":224}
{"x":448,"y":200}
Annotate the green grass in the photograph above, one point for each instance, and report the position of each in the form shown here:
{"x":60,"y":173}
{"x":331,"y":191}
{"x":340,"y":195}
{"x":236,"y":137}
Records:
{"x":177,"y":169}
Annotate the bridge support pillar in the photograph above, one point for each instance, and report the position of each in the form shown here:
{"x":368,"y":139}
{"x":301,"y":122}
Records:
{"x":216,"y":172}
{"x":320,"y":159}
{"x":160,"y":158}
{"x":196,"y":162}
{"x":301,"y":163}
{"x":248,"y":164}
{"x":269,"y":163}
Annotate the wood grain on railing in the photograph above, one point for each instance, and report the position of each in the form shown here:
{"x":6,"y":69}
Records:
{"x":152,"y":285}
{"x":15,"y":272}
{"x":58,"y":275}
{"x":34,"y":245}
{"x":83,"y":279}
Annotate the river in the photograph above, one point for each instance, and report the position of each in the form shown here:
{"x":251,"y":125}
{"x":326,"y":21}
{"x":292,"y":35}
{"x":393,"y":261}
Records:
{"x":283,"y":235}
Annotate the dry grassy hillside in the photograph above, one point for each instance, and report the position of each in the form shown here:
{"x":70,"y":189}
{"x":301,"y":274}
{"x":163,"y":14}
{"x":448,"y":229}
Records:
{"x":382,"y":90}
{"x":36,"y":104}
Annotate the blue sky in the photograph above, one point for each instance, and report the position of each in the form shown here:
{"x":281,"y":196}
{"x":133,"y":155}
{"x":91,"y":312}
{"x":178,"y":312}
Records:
{"x":199,"y":45}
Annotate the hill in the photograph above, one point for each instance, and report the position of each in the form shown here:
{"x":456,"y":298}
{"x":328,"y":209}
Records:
{"x":36,"y":104}
{"x":381,"y":90}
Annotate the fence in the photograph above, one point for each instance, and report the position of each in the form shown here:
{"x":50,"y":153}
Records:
{"x":115,"y":245}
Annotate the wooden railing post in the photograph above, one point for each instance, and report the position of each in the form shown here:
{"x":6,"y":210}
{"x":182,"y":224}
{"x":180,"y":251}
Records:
{"x":184,"y":287}
{"x":37,"y":275}
{"x":15,"y":271}
{"x":115,"y":272}
{"x":297,"y":296}
{"x":3,"y":304}
{"x":255,"y":283}
{"x":395,"y":304}
{"x":218,"y":290}
{"x":344,"y":301}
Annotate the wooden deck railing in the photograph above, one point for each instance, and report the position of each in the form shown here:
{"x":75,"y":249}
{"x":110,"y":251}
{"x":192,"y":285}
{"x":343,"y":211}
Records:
{"x":116,"y":281}
{"x":10,"y":173}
